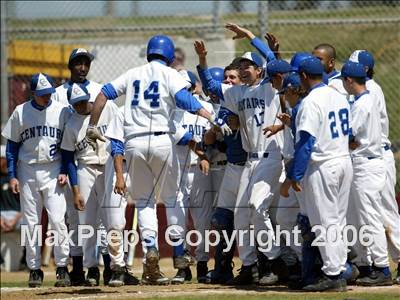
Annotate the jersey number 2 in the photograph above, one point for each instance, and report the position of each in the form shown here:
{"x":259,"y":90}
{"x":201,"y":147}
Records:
{"x":344,"y":122}
{"x":151,"y":93}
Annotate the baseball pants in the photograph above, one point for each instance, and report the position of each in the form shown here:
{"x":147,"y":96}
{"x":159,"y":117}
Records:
{"x":230,"y":186}
{"x":326,"y":189}
{"x":39,"y":187}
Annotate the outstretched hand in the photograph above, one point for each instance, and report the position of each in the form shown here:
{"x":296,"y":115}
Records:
{"x":200,"y":48}
{"x":241,"y":32}
{"x":273,"y":42}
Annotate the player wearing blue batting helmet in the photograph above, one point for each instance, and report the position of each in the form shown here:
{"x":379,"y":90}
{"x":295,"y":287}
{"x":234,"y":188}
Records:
{"x":217,"y":73}
{"x":161,"y":46}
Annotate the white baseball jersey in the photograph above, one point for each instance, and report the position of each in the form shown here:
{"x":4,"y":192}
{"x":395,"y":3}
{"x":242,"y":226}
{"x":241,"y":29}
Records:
{"x":195,"y":124}
{"x":366,"y":127}
{"x":257,"y":107}
{"x":61,"y":92}
{"x":150,"y":92}
{"x":39,"y":131}
{"x":75,"y":132}
{"x":377,"y":93}
{"x":116,"y":128}
{"x":325,"y":114}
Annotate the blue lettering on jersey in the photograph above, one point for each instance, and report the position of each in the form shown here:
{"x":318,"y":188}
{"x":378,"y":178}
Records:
{"x":195,"y":129}
{"x":249,"y":103}
{"x":40,"y":130}
{"x":344,"y":122}
{"x":82,"y":145}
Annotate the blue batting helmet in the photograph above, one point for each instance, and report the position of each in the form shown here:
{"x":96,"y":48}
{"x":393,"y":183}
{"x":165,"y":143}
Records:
{"x":298,"y":58}
{"x":161,"y":45}
{"x":217,"y":73}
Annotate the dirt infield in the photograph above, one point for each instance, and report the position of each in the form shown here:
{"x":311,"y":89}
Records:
{"x":14,"y":287}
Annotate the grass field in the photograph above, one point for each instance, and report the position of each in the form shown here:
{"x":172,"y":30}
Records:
{"x":14,"y":287}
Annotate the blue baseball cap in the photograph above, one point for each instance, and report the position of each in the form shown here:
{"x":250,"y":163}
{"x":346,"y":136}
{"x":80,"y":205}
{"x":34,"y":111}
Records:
{"x":79,"y":52}
{"x":77,"y":93}
{"x":353,"y":69}
{"x":312,"y":66}
{"x":290,"y":80}
{"x":254,"y":58}
{"x":363,"y":57}
{"x":297,"y":59}
{"x":278,"y":66}
{"x":42,"y":84}
{"x":192,"y":78}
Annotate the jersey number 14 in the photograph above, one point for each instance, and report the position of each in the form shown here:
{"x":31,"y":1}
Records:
{"x":151,"y":93}
{"x":343,"y":115}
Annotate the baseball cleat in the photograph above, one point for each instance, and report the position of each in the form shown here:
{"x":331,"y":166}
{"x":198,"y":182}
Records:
{"x":93,"y":277}
{"x":121,"y":276}
{"x":35,"y":278}
{"x":247,"y":275}
{"x":375,"y":278}
{"x":202,"y":270}
{"x":325,"y":283}
{"x":182,"y":276}
{"x":107,"y":273}
{"x":268,"y":279}
{"x":62,"y":277}
{"x":155,"y":277}
{"x":77,"y":278}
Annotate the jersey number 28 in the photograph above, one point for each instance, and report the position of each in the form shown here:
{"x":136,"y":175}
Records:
{"x":151,"y":93}
{"x":343,"y":115}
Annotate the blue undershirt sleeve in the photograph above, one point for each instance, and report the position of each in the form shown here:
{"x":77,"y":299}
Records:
{"x":12,"y":150}
{"x":188,"y":136}
{"x":68,"y":164}
{"x":109,"y":91}
{"x":186,"y":101}
{"x":209,"y":83}
{"x":117,"y":147}
{"x":302,"y":155}
{"x":263,"y":48}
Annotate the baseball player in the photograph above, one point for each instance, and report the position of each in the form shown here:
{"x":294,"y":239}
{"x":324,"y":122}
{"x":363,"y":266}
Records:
{"x":33,"y":134}
{"x":327,"y":54}
{"x":87,"y":178}
{"x":256,"y":105}
{"x":79,"y":65}
{"x":322,"y":130}
{"x":368,"y":177}
{"x":390,"y":208}
{"x":115,"y":202}
{"x":153,"y":91}
{"x":222,"y":218}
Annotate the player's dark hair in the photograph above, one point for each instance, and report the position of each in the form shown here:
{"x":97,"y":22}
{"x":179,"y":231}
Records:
{"x":236,"y":62}
{"x":370,"y":73}
{"x":314,"y":76}
{"x":151,"y":57}
{"x":231,"y":67}
{"x":358,"y":80}
{"x":328,"y":48}
{"x":300,"y":91}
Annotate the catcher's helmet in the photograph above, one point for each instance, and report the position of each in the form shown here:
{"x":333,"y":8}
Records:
{"x":161,"y":45}
{"x":298,"y":58}
{"x":217,"y":73}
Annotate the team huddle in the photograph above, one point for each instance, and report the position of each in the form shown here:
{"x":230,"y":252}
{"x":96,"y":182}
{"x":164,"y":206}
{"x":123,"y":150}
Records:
{"x":258,"y":144}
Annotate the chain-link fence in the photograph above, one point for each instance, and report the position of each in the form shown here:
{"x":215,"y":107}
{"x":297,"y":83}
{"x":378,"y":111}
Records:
{"x":39,"y":35}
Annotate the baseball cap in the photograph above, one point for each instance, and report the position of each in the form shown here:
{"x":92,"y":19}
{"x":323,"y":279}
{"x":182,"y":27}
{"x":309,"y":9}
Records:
{"x":42,"y":84}
{"x":254,"y":58}
{"x":77,"y":93}
{"x":290,"y":80}
{"x":353,"y":69}
{"x":297,"y":59}
{"x":312,"y":66}
{"x":278,"y":66}
{"x":363,"y":57}
{"x":192,"y":78}
{"x":79,"y":52}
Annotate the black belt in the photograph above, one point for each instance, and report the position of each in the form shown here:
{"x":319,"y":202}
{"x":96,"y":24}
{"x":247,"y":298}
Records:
{"x":220,"y":163}
{"x":240,"y":163}
{"x":386,"y":147}
{"x":159,"y":133}
{"x":256,"y":155}
{"x":156,"y":133}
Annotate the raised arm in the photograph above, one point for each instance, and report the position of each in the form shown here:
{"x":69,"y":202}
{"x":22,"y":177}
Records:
{"x":261,"y":47}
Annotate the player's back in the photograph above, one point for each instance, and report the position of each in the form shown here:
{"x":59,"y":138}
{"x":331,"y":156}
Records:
{"x":325,"y":114}
{"x":150,"y":92}
{"x":379,"y":98}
